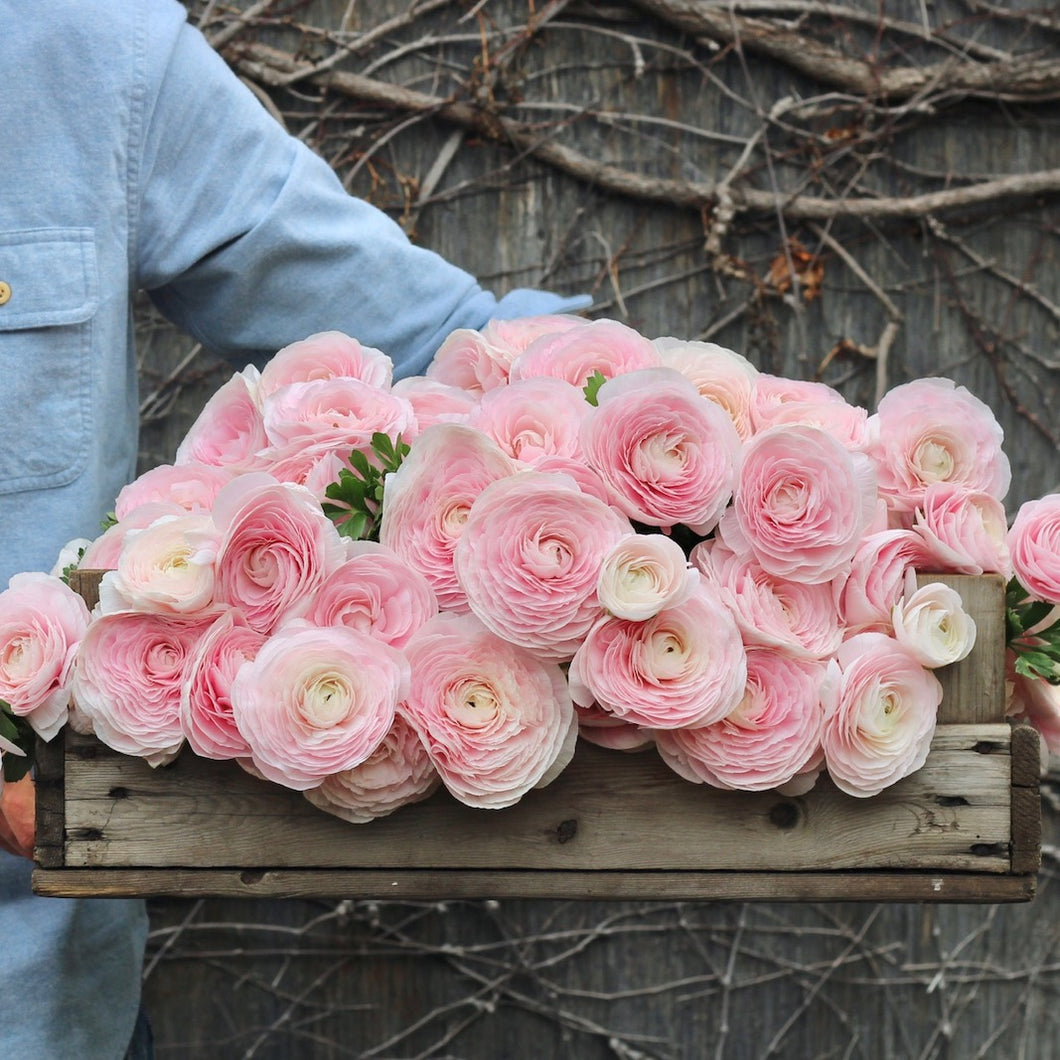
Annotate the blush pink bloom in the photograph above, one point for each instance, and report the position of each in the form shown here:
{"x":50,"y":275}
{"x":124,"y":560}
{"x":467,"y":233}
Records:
{"x":669,"y":454}
{"x":877,"y":577}
{"x":229,"y":431}
{"x":42,"y":623}
{"x":802,"y":503}
{"x":773,"y":735}
{"x":932,"y":623}
{"x":277,"y":548}
{"x":529,"y":560}
{"x":128,"y":677}
{"x":587,"y":479}
{"x":191,"y":486}
{"x":965,"y":531}
{"x":326,"y":355}
{"x":603,"y":346}
{"x":496,"y":721}
{"x":433,"y":402}
{"x":719,"y":374}
{"x":879,"y":725}
{"x":337,"y":413}
{"x":642,"y":575}
{"x":1034,"y":546}
{"x":533,"y":418}
{"x":316,"y":701}
{"x":425,"y":511}
{"x":206,"y":690}
{"x":167,"y":567}
{"x":791,"y":402}
{"x":467,"y":360}
{"x":602,"y":728}
{"x":376,"y":592}
{"x":397,"y":773}
{"x":686,"y":666}
{"x":313,"y":466}
{"x":930,"y":431}
{"x":799,"y":619}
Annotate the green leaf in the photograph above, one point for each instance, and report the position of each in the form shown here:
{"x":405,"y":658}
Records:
{"x":109,"y":520}
{"x":592,"y":387}
{"x":18,"y":731}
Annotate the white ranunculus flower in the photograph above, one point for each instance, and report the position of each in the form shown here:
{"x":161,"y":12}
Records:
{"x":643,"y":574}
{"x":932,"y":623}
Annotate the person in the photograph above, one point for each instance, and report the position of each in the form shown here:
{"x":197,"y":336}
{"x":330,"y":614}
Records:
{"x":134,"y":159}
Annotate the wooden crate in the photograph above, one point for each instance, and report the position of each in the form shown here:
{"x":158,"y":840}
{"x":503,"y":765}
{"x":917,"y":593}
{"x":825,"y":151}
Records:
{"x":965,"y":828}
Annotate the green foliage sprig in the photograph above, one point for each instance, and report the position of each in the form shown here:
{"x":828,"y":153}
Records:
{"x":358,"y":492}
{"x":1032,"y":637}
{"x":16,"y":730}
{"x":592,"y":387}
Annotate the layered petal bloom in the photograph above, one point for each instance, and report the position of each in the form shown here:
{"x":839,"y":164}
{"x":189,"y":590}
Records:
{"x":600,"y":727}
{"x":190,"y":485}
{"x":229,"y":432}
{"x":316,"y":701}
{"x":669,"y":454}
{"x":879,"y":725}
{"x":433,"y":402}
{"x":932,"y":623}
{"x":686,"y":666}
{"x":802,"y":503}
{"x":466,"y":359}
{"x":496,"y":721}
{"x":1034,"y":546}
{"x":206,"y":689}
{"x":529,"y":560}
{"x":42,"y":624}
{"x":326,"y":355}
{"x":877,"y":577}
{"x":965,"y":531}
{"x":603,"y":346}
{"x":376,"y":592}
{"x":127,"y":681}
{"x":929,"y":431}
{"x":277,"y":548}
{"x":397,"y":773}
{"x":103,"y":552}
{"x":643,"y":574}
{"x":791,"y":402}
{"x":425,"y":510}
{"x":772,"y":736}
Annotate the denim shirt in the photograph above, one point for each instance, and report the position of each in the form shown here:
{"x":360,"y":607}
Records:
{"x":133,"y":158}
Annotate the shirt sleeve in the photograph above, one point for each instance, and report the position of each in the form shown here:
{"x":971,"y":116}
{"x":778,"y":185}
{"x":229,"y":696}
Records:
{"x":246,"y":238}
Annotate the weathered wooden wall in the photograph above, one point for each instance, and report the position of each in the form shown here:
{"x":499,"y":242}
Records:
{"x":972,"y":290}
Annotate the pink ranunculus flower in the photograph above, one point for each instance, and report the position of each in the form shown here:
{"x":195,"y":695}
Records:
{"x":529,"y":560}
{"x":965,"y":531}
{"x":338,"y":413}
{"x":686,"y":666}
{"x":600,"y":727}
{"x":433,"y":402}
{"x":533,"y":418}
{"x":1034,"y":547}
{"x":467,"y":360}
{"x":932,"y":623}
{"x":669,"y":454}
{"x":495,"y":720}
{"x":397,"y":773}
{"x":929,"y":431}
{"x":802,"y":503}
{"x":878,"y":727}
{"x":326,"y":355}
{"x":376,"y":592}
{"x":313,"y":466}
{"x":796,"y":618}
{"x":316,"y":701}
{"x":127,"y":681}
{"x":206,"y":690}
{"x":103,"y":552}
{"x":508,"y":338}
{"x":877,"y":577}
{"x":190,"y":485}
{"x":425,"y":511}
{"x":167,"y":567}
{"x":229,"y":430}
{"x":790,"y":402}
{"x":603,"y":346}
{"x":587,"y":479}
{"x":277,"y":548}
{"x":643,"y":574}
{"x":772,"y":736}
{"x":42,"y":623}
{"x":719,"y":374}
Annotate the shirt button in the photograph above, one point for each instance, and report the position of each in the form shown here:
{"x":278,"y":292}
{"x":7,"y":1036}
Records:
{"x":5,"y":292}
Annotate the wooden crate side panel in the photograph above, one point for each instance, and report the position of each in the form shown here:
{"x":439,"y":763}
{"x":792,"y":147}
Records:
{"x":608,"y":812}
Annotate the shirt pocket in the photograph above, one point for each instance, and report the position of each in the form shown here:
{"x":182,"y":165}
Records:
{"x":49,"y":293}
